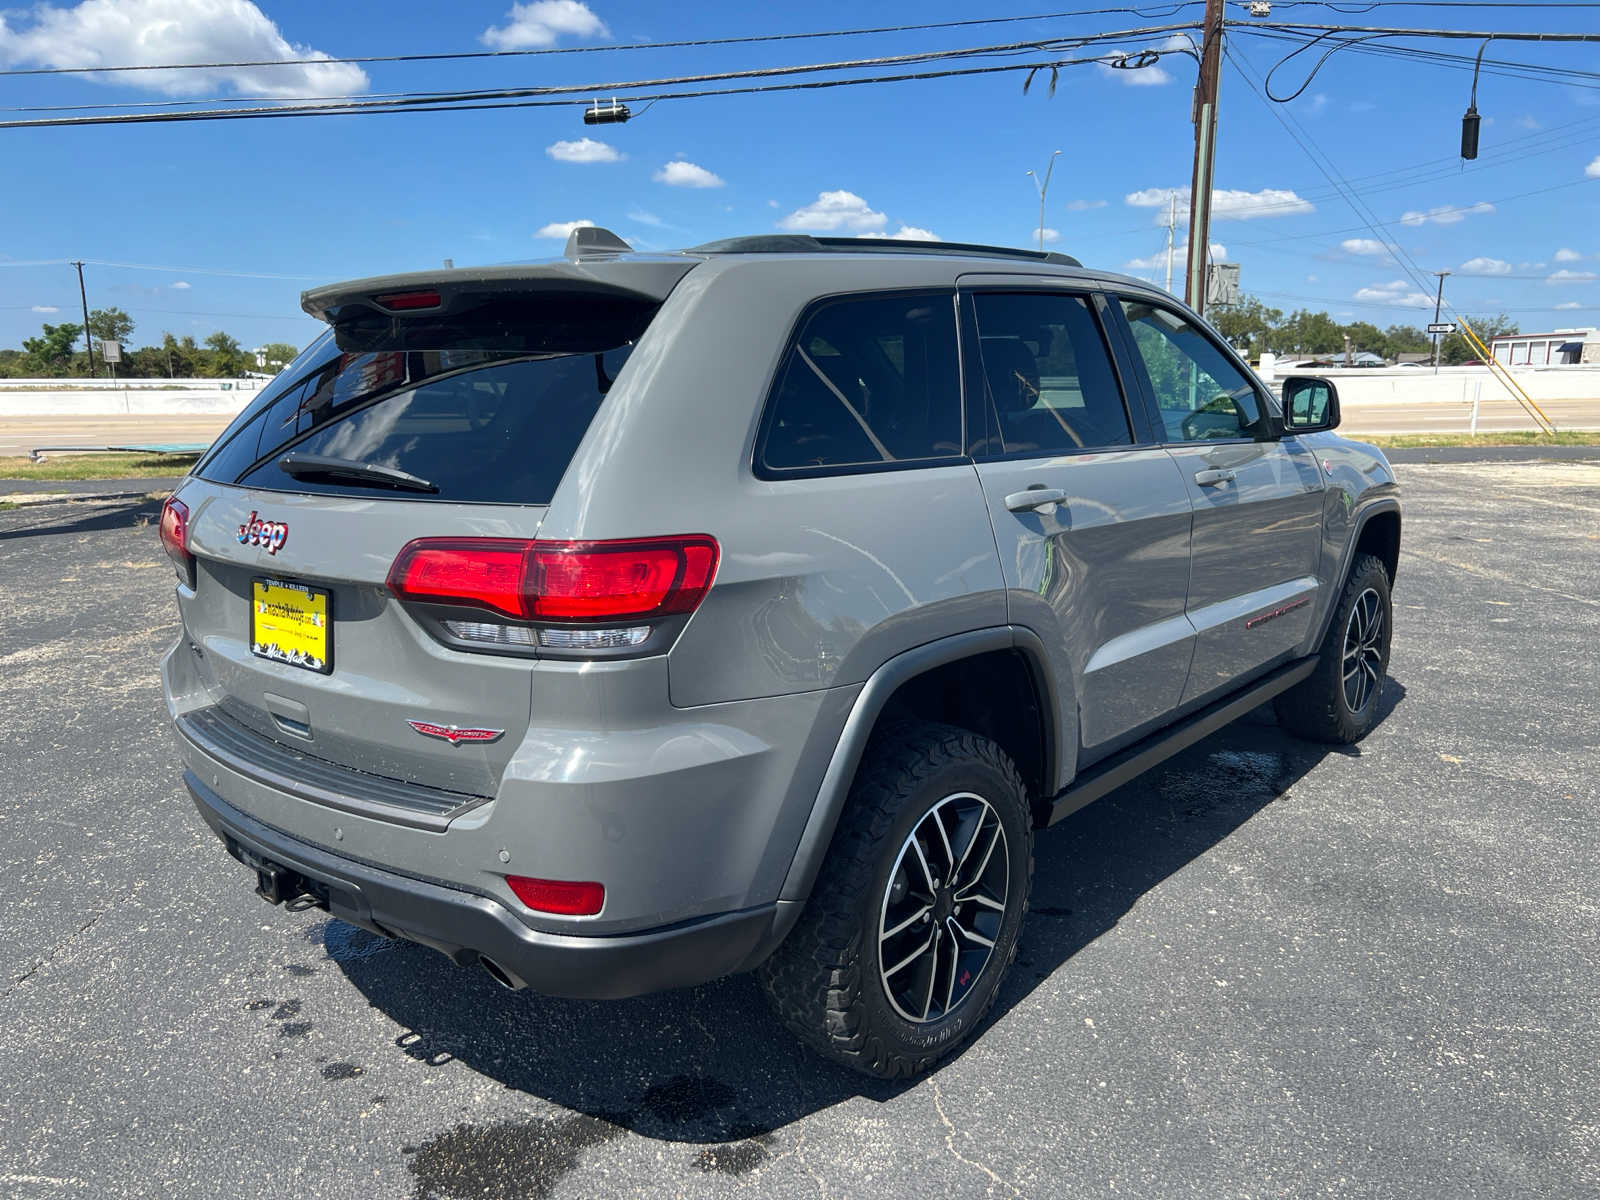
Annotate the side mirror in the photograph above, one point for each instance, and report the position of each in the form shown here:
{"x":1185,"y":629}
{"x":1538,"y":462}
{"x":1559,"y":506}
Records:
{"x":1310,"y":404}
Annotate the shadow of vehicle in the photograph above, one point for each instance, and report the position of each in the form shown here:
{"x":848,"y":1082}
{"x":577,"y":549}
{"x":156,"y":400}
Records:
{"x":711,"y":1065}
{"x":123,"y":511}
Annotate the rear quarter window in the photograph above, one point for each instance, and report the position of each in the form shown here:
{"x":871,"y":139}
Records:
{"x":868,"y":382}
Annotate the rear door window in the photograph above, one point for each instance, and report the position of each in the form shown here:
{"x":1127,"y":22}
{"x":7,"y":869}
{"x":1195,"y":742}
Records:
{"x":1048,"y":383}
{"x":869,"y":381}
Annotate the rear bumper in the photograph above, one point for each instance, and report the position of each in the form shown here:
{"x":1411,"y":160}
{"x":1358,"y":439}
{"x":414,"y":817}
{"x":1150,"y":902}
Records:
{"x":470,"y":927}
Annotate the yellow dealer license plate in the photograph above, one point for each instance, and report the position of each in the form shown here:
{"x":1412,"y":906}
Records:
{"x":292,"y":623}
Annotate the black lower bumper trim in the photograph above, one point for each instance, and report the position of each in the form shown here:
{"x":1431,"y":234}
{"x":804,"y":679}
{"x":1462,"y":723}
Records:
{"x":469,"y":927}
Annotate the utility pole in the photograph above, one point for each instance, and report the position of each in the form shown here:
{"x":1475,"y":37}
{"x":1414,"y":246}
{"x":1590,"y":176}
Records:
{"x":1205,"y":155}
{"x":1043,"y":188}
{"x":1172,"y":223}
{"x":1438,"y":303}
{"x":88,"y":346}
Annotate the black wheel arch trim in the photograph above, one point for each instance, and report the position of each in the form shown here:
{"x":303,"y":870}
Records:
{"x":869,"y":705}
{"x":1362,"y":516}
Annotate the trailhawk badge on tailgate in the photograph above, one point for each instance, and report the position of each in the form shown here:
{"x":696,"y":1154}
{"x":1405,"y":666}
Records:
{"x":454,"y":734}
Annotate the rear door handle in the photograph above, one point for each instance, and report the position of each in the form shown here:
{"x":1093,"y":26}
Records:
{"x":1213,"y":478}
{"x":1034,"y":498}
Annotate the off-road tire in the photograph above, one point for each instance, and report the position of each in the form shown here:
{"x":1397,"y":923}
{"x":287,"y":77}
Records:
{"x":824,"y":980}
{"x":1317,"y":708}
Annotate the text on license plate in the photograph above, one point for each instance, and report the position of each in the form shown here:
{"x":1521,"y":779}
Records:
{"x":290,"y":623}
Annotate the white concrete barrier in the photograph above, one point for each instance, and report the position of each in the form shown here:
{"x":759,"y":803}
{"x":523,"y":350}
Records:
{"x":142,"y":397}
{"x":1452,"y":385}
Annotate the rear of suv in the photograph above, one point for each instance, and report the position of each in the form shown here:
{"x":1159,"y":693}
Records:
{"x":622,"y":622}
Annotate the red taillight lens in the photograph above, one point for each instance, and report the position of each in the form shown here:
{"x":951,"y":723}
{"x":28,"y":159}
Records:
{"x":175,"y":535}
{"x":403,"y":301}
{"x":559,"y":581}
{"x":559,"y":896}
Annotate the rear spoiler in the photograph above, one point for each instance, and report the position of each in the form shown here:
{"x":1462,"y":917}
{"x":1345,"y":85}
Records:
{"x":439,"y":293}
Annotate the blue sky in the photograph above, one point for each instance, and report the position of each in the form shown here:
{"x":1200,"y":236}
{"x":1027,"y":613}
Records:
{"x":248,"y":213}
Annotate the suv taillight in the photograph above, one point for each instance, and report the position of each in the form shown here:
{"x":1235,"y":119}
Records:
{"x":175,"y":537}
{"x":567,"y":582}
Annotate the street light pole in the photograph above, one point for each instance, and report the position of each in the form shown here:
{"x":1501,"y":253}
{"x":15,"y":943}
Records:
{"x":1043,"y":188}
{"x":1438,"y":303}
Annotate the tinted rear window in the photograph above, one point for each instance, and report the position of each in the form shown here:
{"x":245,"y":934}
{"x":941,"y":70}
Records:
{"x":481,"y":425}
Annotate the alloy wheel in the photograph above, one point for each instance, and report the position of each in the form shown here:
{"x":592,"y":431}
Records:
{"x":1363,"y":650}
{"x":943,"y":908}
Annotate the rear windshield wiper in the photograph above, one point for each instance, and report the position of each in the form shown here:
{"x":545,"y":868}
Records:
{"x":321,"y":466}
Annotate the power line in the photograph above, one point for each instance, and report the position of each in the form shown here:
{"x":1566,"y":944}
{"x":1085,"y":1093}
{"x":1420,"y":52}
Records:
{"x":528,"y":97}
{"x":1162,"y":10}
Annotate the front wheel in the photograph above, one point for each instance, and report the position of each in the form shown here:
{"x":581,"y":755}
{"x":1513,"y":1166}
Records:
{"x":1338,"y":702}
{"x":914,"y":919}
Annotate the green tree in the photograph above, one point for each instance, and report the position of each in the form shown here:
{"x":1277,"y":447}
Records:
{"x":51,"y":353}
{"x":110,"y":325}
{"x":1456,"y":349}
{"x":1404,"y":339}
{"x":1309,"y":333}
{"x":1364,"y":336}
{"x":225,"y":359}
{"x":1247,"y":324}
{"x":275,"y":356}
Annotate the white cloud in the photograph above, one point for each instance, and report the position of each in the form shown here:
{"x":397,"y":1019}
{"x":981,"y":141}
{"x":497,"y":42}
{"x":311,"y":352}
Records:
{"x":1565,"y":276}
{"x":1050,"y":235}
{"x":832,"y":212}
{"x":1363,"y":246}
{"x":1593,"y":169}
{"x":1395,"y":293}
{"x":45,"y":308}
{"x":1319,"y":101}
{"x":1085,"y":205}
{"x":679,"y":173}
{"x":1446,"y":214}
{"x":647,"y":218}
{"x":1485,"y":266}
{"x":1226,"y":204}
{"x":1528,"y":122}
{"x":773,"y":204}
{"x":1565,"y":255}
{"x":98,"y":33}
{"x":561,"y":229}
{"x":583,"y":150}
{"x":541,"y":23}
{"x":1180,"y":259}
{"x":911,"y":233}
{"x":180,"y":286}
{"x":1568,"y":305}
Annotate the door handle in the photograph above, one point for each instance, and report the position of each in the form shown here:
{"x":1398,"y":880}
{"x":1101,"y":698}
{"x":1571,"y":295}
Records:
{"x":1213,"y":478}
{"x":1034,"y":498}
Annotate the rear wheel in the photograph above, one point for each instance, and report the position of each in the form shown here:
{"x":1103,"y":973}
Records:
{"x":1338,"y":702}
{"x":914,"y":919}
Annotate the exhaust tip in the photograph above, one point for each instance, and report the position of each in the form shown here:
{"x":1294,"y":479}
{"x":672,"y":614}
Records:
{"x":500,"y":975}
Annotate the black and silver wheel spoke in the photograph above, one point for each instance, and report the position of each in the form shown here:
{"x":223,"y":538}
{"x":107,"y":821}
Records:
{"x":942,"y":912}
{"x":1362,"y":662}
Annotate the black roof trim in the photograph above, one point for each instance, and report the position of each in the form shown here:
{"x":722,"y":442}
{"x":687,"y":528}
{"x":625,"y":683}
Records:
{"x":801,"y":243}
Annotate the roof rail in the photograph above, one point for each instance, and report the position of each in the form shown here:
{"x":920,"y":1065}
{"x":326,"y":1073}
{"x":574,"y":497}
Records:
{"x":587,"y":241}
{"x":802,"y":243}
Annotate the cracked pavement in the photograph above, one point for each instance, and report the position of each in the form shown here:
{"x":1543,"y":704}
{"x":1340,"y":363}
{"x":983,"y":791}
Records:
{"x":1266,"y":969}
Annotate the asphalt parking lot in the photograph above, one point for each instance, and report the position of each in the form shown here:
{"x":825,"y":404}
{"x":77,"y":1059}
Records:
{"x":1266,"y":970}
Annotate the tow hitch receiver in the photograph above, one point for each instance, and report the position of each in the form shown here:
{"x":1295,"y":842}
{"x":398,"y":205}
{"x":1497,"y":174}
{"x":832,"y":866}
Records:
{"x":275,"y":883}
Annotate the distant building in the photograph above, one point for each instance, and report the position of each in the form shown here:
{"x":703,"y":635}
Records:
{"x":1563,"y":348}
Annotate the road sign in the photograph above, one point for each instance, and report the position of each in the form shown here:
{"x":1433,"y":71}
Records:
{"x":1442,"y":327}
{"x":1222,"y":284}
{"x":111,"y":351}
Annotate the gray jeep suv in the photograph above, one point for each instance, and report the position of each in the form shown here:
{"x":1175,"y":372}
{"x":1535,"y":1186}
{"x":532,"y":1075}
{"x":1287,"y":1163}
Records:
{"x":624,"y":621}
